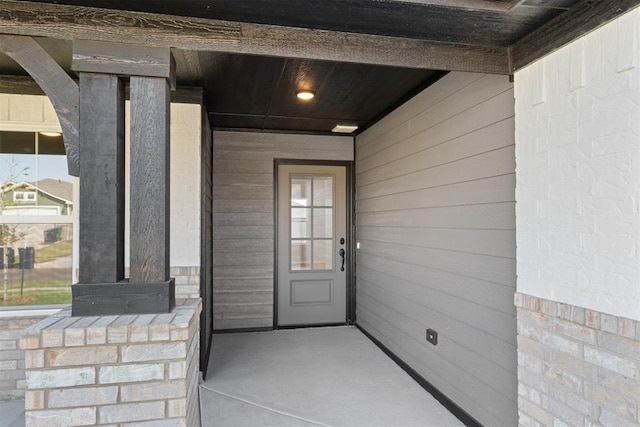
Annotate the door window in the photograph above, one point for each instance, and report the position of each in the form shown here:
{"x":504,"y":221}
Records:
{"x":312,"y":218}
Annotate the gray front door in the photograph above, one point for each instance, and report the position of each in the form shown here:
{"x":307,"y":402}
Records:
{"x":312,"y":245}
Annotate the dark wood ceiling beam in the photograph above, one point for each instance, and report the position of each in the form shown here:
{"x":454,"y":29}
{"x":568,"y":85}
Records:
{"x":490,"y":5}
{"x":124,"y":59}
{"x":548,"y":4}
{"x":370,"y":49}
{"x":72,"y":22}
{"x":480,"y":5}
{"x":566,"y":27}
{"x":25,"y":85}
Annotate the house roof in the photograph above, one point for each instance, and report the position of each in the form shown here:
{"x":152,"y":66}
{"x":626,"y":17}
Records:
{"x":61,"y":190}
{"x":57,"y":188}
{"x":361,"y":57}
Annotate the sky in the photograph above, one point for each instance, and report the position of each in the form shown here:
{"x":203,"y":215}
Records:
{"x":38,"y":167}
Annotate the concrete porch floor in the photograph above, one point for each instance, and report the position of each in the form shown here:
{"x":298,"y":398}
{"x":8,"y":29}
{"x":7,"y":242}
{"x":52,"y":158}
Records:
{"x":302,"y":377}
{"x":319,"y":376}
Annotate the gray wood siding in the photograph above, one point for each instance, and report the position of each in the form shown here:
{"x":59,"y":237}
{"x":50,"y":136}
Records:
{"x":243,"y":218}
{"x":435,"y":218}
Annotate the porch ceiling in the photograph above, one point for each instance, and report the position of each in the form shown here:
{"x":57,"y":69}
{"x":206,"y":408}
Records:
{"x":252,"y":85}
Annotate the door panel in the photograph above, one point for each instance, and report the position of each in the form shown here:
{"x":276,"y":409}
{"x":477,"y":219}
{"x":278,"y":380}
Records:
{"x":311,"y":244}
{"x":305,"y":292}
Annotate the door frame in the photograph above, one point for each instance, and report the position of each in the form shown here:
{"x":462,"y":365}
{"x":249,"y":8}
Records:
{"x":350,"y":244}
{"x":206,"y":242}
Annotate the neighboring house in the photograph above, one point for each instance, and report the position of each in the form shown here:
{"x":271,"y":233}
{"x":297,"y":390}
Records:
{"x":44,"y":197}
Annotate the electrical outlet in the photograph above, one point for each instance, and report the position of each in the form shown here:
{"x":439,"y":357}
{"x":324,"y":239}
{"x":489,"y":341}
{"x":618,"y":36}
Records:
{"x":432,"y":336}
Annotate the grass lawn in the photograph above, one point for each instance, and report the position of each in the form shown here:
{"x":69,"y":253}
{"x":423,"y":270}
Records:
{"x":54,"y":251}
{"x":51,"y":252}
{"x":39,"y":290}
{"x":38,"y":293}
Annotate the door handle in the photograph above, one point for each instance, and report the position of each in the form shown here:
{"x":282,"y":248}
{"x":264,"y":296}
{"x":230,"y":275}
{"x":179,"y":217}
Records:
{"x":341,"y":253}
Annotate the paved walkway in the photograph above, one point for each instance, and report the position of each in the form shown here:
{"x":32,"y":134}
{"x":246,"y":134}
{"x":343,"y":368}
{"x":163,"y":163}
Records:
{"x":308,"y":377}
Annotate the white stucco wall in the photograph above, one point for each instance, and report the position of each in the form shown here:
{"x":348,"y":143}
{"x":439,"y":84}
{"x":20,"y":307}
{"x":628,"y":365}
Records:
{"x":27,"y":113}
{"x":185,"y":186}
{"x":578,"y":172}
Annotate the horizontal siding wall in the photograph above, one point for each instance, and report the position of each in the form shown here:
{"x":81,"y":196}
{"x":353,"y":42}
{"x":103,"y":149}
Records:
{"x":243,"y":210}
{"x":435,"y":216}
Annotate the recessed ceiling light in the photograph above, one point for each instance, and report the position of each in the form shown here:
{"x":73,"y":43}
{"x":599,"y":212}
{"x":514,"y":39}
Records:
{"x":52,"y":134}
{"x":305,"y":95}
{"x":344,"y":128}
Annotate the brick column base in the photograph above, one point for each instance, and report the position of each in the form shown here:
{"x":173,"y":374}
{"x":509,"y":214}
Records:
{"x":123,"y":370}
{"x":11,"y":357}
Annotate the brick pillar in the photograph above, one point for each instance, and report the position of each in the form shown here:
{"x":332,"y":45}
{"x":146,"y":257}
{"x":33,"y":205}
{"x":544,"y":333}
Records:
{"x":121,"y":370}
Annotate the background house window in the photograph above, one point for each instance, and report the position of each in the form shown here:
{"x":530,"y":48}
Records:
{"x":36,"y":220}
{"x":24,"y":196}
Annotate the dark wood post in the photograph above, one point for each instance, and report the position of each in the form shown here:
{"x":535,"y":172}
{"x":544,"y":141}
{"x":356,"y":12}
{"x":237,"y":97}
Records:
{"x":149,"y":201}
{"x":103,"y":290}
{"x":101,"y":178}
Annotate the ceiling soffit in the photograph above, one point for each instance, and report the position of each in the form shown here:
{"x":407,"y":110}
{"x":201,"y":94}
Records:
{"x":361,"y":56}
